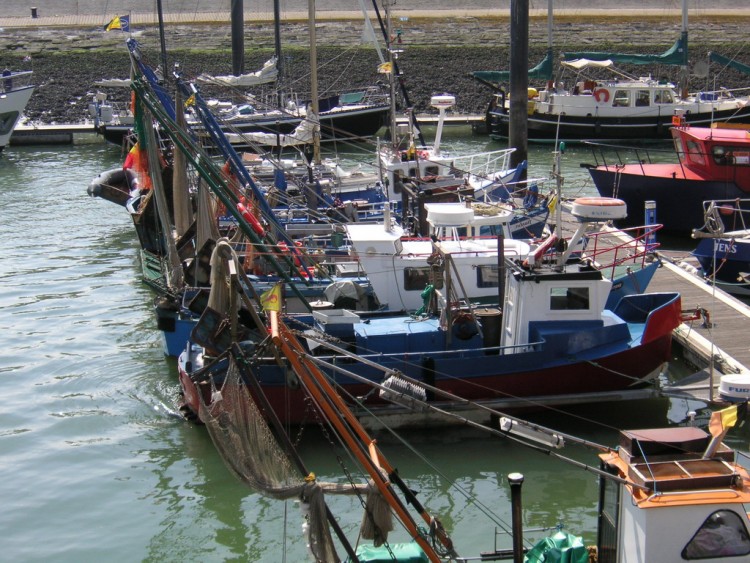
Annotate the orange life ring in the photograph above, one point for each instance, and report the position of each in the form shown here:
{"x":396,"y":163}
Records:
{"x":251,"y":219}
{"x":601,"y":95}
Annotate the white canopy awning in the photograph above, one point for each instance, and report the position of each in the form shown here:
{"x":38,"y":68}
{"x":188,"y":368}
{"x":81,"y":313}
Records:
{"x":580,"y":64}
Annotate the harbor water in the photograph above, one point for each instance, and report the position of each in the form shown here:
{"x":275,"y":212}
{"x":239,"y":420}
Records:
{"x":98,"y":466}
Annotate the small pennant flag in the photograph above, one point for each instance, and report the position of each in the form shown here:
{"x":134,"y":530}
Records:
{"x":726,"y":418}
{"x":131,"y":159}
{"x":552,"y":205}
{"x":190,"y":101}
{"x":385,"y":68}
{"x":271,"y":300}
{"x":118,"y":22}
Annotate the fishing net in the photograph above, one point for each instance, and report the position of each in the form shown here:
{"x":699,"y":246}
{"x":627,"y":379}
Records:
{"x":252,"y":453}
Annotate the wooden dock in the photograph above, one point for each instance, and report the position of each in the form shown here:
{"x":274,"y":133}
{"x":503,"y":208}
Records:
{"x":715,"y":340}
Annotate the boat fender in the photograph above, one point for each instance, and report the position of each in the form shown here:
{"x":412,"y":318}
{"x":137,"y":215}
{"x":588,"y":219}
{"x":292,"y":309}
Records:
{"x":251,"y":219}
{"x":601,"y":95}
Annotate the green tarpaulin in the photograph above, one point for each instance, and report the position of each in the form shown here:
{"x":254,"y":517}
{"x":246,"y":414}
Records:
{"x":731,"y":63}
{"x":543,"y":71}
{"x":559,"y":548}
{"x":676,"y":55}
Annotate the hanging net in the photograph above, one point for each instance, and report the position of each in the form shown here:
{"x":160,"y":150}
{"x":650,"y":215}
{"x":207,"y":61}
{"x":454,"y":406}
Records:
{"x":252,"y":453}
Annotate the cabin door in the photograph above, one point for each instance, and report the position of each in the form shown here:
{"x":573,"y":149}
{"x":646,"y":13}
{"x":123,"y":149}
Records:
{"x":609,"y":510}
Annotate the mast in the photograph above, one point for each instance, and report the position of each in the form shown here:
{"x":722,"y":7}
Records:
{"x":162,"y":42}
{"x":391,"y":75}
{"x":518,"y":134}
{"x":314,"y":105}
{"x":396,"y":73}
{"x":277,"y":34}
{"x":684,"y":74}
{"x":238,"y":47}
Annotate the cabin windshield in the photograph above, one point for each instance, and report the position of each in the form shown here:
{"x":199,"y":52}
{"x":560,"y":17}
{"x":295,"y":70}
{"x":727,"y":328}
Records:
{"x":723,"y":534}
{"x":695,"y":152}
{"x":569,"y":298}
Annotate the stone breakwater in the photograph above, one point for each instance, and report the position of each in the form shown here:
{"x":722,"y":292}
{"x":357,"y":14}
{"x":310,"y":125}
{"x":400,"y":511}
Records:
{"x":438,"y":55}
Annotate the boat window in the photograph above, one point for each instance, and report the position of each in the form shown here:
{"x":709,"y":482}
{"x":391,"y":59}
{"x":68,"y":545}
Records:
{"x":569,"y":298}
{"x":678,"y":147}
{"x":730,"y":155}
{"x":642,"y":98}
{"x":487,"y":276}
{"x":695,"y":153}
{"x":621,"y":99}
{"x":416,"y":279}
{"x":431,"y":171}
{"x":723,"y":534}
{"x":663,"y":97}
{"x":7,"y":121}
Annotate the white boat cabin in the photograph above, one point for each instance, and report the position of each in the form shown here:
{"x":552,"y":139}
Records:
{"x":623,"y":96}
{"x":678,"y":500}
{"x":399,"y":268}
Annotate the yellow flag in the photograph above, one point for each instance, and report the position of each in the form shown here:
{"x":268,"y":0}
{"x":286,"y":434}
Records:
{"x":118,"y":22}
{"x":271,"y":300}
{"x":726,"y":418}
{"x":552,"y":205}
{"x":190,"y":101}
{"x":385,"y":68}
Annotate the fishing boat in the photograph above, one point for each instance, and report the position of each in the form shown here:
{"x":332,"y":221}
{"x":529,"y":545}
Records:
{"x":620,"y":108}
{"x":711,"y":164}
{"x":16,"y":92}
{"x":724,"y":252}
{"x":549,"y":340}
{"x":591,"y":99}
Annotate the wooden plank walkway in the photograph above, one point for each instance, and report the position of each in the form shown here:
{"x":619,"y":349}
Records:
{"x":716,"y":340}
